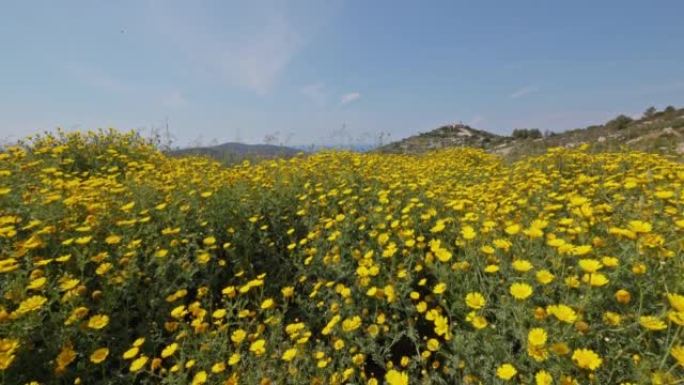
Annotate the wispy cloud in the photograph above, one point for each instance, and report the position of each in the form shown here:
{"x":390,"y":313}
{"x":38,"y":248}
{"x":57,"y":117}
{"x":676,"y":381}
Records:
{"x":315,"y":92}
{"x":349,"y":97}
{"x":253,"y":59}
{"x":524,"y":91}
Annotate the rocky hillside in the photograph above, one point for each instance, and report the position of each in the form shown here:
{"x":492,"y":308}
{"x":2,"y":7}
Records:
{"x":453,"y":135}
{"x":661,"y":132}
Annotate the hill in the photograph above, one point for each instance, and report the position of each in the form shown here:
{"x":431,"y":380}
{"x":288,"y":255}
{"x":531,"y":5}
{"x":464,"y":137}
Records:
{"x":453,"y":135}
{"x":655,"y":131}
{"x":234,"y":152}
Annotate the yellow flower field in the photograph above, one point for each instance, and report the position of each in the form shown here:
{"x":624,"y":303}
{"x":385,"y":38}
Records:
{"x":120,"y":265}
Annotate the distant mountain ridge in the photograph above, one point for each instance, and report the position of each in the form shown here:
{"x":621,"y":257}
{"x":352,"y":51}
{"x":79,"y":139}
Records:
{"x":234,"y":151}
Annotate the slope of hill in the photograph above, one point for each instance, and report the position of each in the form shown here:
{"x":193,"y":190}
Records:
{"x":661,"y":132}
{"x":453,"y":135}
{"x":234,"y":152}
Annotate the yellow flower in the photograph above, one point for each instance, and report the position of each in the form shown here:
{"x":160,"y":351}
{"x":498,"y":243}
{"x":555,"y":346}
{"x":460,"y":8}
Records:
{"x":560,"y":348}
{"x":30,"y":304}
{"x":267,"y":304}
{"x":536,"y":337}
{"x":219,"y":313}
{"x":258,"y":347}
{"x":130,"y":353}
{"x":394,"y":377}
{"x":169,"y":350}
{"x":543,"y":378}
{"x":98,"y":321}
{"x":676,"y":301}
{"x":6,"y":360}
{"x":67,"y":283}
{"x":65,"y":357}
{"x":238,"y":336}
{"x":652,"y":323}
{"x":468,"y":233}
{"x":83,"y":240}
{"x":506,"y":371}
{"x":218,"y":367}
{"x":438,"y":227}
{"x":441,"y":325}
{"x":522,"y":265}
{"x":99,"y":355}
{"x":443,"y":255}
{"x":520,"y":291}
{"x":581,"y":250}
{"x":203,"y":258}
{"x":37,"y":283}
{"x":433,"y":344}
{"x":639,"y":226}
{"x":476,"y":320}
{"x":544,"y":277}
{"x":678,"y":353}
{"x":512,"y":229}
{"x":439,"y":288}
{"x":351,"y":324}
{"x":112,"y":239}
{"x":562,"y":313}
{"x":128,"y":206}
{"x":590,"y":265}
{"x":595,"y":279}
{"x":586,"y":359}
{"x":199,"y":378}
{"x":287,"y":291}
{"x":209,"y":241}
{"x":289,"y":354}
{"x":475,"y":300}
{"x":612,"y":318}
{"x":538,"y":353}
{"x":623,"y":296}
{"x":234,"y":359}
{"x":610,"y":261}
{"x":676,"y":317}
{"x":76,"y":315}
{"x":138,"y":364}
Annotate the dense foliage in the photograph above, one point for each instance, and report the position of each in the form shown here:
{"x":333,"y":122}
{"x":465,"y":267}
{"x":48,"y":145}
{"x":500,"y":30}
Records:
{"x":121,"y":265}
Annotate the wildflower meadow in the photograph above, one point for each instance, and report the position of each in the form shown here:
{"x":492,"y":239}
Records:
{"x":120,"y":264}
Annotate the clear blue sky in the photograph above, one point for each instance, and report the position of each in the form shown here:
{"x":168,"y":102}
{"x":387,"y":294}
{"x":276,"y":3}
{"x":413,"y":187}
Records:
{"x":229,"y":70}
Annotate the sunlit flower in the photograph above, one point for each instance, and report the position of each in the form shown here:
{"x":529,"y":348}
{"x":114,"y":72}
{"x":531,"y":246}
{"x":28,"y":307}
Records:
{"x":475,"y":300}
{"x":394,"y":377}
{"x":98,"y":321}
{"x":99,"y":355}
{"x":520,"y":291}
{"x":586,"y":359}
{"x":652,"y":323}
{"x":506,"y":372}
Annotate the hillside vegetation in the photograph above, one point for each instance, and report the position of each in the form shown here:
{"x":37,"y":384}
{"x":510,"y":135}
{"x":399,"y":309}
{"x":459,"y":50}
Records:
{"x":230,"y":153}
{"x":120,"y":265}
{"x":659,"y":132}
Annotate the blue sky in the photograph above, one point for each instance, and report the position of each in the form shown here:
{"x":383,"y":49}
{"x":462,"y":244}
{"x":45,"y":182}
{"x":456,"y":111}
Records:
{"x":333,"y":72}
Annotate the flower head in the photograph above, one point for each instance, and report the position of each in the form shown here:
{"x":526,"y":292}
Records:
{"x":520,"y":291}
{"x":586,"y":359}
{"x":506,"y":371}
